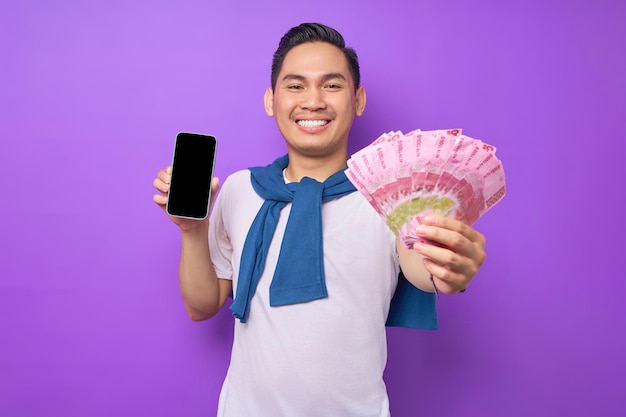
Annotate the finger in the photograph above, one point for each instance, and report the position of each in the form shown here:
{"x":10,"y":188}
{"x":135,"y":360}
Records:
{"x":445,"y":280}
{"x":160,"y":199}
{"x":442,"y":255}
{"x":446,"y":258}
{"x":446,"y":238}
{"x":455,"y":225}
{"x":165,"y":175}
{"x":161,"y":186}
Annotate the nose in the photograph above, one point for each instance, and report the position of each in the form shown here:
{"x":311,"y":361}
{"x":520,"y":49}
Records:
{"x":313,"y":99}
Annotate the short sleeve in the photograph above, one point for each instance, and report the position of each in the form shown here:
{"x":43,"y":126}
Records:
{"x":219,"y":241}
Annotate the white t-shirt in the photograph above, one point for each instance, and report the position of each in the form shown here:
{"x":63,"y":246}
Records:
{"x":324,"y":357}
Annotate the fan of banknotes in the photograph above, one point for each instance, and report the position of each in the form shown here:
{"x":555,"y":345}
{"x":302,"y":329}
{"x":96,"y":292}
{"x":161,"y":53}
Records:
{"x":406,"y":176}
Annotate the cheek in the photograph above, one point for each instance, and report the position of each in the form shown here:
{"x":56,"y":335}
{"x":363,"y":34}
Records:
{"x":282,"y":109}
{"x":345,"y":106}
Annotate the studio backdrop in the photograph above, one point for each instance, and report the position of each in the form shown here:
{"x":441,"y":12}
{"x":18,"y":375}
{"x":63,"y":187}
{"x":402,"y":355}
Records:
{"x":93,"y":93}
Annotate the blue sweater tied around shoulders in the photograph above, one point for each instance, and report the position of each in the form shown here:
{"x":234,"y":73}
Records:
{"x":299,"y":274}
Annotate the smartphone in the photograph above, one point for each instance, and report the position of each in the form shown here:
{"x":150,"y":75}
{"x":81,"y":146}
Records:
{"x":192,"y":171}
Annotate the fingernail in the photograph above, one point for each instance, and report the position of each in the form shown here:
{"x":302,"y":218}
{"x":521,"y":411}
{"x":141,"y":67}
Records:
{"x":421,"y":229}
{"x":429,"y":219}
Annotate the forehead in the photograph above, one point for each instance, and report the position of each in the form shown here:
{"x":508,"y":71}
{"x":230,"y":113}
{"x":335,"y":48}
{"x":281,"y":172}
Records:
{"x":315,"y":59}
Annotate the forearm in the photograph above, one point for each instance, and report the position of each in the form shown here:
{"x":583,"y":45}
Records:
{"x":202,"y":292}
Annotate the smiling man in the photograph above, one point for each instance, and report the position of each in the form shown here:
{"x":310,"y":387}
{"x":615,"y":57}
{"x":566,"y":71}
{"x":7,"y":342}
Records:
{"x":312,"y":266}
{"x":314,"y":100}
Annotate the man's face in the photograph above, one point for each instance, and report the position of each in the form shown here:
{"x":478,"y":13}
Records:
{"x":314,"y":101}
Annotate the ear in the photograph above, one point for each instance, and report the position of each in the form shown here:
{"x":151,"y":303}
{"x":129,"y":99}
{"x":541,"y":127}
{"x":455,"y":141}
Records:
{"x":268,"y":99}
{"x":361,"y":98}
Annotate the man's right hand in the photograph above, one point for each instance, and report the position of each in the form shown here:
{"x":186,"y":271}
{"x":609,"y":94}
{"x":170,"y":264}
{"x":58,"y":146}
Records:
{"x":162,"y":184}
{"x":203,"y":293}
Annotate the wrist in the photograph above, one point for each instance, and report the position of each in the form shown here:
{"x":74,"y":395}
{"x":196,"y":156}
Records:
{"x":193,"y":231}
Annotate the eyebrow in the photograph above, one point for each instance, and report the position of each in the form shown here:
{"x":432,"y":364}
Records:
{"x":325,"y":77}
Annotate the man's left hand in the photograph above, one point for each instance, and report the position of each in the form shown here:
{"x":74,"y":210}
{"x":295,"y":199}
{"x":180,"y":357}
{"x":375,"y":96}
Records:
{"x":456,"y":255}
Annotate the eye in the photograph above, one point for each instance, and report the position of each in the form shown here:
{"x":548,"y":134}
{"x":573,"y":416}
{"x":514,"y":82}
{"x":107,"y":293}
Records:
{"x":333,"y":86}
{"x":295,"y":87}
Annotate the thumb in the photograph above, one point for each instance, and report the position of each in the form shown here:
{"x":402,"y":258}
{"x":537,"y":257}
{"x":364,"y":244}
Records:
{"x":215,"y":186}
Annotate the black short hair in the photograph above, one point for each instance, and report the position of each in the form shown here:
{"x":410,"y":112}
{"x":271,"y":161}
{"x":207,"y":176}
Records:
{"x":314,"y":32}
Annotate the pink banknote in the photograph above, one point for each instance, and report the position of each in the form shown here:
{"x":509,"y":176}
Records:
{"x":405,"y":176}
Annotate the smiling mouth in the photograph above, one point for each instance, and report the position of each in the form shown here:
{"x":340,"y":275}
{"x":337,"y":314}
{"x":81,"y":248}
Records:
{"x":312,"y":123}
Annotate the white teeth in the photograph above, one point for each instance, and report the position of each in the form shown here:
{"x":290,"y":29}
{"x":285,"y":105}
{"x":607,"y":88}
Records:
{"x":312,"y":123}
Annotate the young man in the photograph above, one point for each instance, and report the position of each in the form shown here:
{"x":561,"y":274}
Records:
{"x":312,"y":267}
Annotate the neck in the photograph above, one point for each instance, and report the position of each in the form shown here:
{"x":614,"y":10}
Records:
{"x":317,"y":168}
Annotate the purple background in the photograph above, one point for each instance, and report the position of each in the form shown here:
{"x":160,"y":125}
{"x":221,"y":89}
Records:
{"x":93,"y":93}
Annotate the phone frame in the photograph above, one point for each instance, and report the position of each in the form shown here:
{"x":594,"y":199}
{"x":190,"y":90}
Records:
{"x":172,"y":179}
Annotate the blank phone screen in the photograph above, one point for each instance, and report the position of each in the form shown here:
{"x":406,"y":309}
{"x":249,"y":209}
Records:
{"x":192,"y":170}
